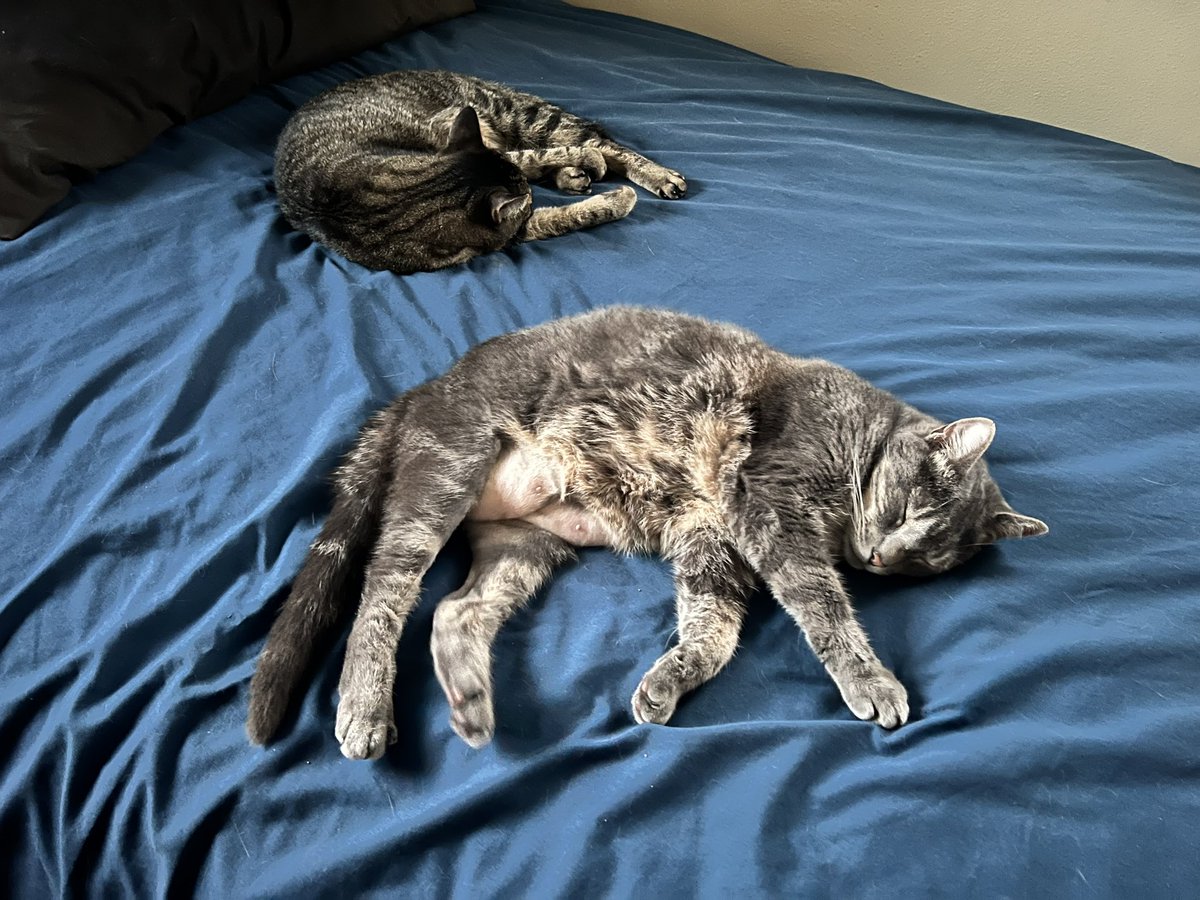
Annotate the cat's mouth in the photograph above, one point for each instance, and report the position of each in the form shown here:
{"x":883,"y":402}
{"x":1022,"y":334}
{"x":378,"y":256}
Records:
{"x":859,"y":560}
{"x":852,"y":556}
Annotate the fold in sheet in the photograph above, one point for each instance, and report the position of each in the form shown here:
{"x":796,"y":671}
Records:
{"x":182,"y":370}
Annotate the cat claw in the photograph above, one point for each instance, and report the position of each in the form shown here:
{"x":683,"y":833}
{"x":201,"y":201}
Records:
{"x":672,"y":187}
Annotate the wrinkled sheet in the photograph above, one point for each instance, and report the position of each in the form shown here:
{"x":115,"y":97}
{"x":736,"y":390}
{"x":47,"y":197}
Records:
{"x":181,"y":371}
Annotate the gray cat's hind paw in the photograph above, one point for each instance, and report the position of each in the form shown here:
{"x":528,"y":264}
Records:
{"x":877,"y":696}
{"x":473,"y":719}
{"x":363,"y":733}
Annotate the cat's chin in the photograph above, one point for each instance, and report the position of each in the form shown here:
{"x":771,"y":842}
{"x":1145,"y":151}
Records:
{"x":851,"y":556}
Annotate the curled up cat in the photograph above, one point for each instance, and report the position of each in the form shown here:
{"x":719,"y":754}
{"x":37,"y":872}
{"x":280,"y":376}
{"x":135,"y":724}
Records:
{"x":419,"y":170}
{"x":645,"y":431}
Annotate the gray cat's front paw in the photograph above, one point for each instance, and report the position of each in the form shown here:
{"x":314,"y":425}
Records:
{"x":875,"y":695}
{"x":655,"y":699}
{"x":364,"y":730}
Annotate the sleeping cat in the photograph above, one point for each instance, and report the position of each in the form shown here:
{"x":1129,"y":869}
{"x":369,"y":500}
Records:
{"x":419,"y":170}
{"x":646,"y":431}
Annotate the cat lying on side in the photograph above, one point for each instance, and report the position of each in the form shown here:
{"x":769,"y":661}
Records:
{"x":645,"y":431}
{"x":419,"y":170}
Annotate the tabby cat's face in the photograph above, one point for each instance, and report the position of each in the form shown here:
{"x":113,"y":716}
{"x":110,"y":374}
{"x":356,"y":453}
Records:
{"x":484,"y":200}
{"x":930,"y":504}
{"x":472,"y":199}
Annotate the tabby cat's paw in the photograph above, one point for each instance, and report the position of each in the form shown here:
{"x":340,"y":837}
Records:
{"x":572,"y":180}
{"x":592,"y":161}
{"x":465,"y":682}
{"x":620,"y":202}
{"x":364,"y":730}
{"x":669,"y":185}
{"x":875,"y":695}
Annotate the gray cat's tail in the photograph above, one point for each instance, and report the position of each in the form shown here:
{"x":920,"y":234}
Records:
{"x":321,"y":589}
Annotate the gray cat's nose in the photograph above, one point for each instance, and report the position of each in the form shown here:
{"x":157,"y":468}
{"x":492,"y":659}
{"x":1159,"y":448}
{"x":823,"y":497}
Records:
{"x":876,"y":559}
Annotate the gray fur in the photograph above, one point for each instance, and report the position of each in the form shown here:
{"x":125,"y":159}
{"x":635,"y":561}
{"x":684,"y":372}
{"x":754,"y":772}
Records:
{"x":419,"y":170}
{"x":646,"y":431}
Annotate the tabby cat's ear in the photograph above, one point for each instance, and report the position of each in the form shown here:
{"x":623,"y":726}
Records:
{"x":464,"y":132}
{"x":506,"y":206}
{"x":963,"y":441}
{"x":1009,"y":524}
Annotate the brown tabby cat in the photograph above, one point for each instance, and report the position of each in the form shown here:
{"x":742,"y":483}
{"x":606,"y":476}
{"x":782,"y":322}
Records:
{"x":419,"y":170}
{"x":645,"y":431}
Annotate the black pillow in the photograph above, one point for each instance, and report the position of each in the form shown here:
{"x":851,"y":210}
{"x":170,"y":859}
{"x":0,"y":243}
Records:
{"x":86,"y":84}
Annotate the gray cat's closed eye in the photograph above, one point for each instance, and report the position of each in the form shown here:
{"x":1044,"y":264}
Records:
{"x":644,"y":431}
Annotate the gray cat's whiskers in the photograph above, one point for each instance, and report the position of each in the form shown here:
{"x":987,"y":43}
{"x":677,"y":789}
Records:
{"x":859,"y":514}
{"x":641,"y":431}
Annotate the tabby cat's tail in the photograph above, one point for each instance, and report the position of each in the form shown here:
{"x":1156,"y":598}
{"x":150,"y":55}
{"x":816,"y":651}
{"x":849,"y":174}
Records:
{"x":321,"y":588}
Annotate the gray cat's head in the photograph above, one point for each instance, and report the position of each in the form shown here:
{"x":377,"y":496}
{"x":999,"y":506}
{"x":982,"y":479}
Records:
{"x":929,"y":503}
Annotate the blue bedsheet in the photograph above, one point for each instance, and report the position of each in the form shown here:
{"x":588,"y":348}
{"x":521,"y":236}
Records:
{"x":181,"y":371}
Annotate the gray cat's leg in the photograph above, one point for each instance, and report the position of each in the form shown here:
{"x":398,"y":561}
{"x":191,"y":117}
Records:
{"x":710,"y":606}
{"x":573,"y":168}
{"x":791,"y":560}
{"x":622,"y":161}
{"x":807,"y":585}
{"x":511,"y":561}
{"x":812,"y":593}
{"x":553,"y":221}
{"x":435,"y":483}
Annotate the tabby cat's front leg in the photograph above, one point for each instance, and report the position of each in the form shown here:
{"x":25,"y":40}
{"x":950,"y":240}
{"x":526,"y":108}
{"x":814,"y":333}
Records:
{"x":574,"y":168}
{"x":664,"y":182}
{"x":553,"y":221}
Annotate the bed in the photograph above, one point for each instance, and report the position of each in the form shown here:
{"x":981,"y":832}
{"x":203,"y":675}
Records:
{"x":182,"y":371}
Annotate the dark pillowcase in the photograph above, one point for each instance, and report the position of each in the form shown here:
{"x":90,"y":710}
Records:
{"x":86,"y":84}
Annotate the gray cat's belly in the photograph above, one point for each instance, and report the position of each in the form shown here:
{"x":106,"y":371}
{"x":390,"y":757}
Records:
{"x":525,"y":485}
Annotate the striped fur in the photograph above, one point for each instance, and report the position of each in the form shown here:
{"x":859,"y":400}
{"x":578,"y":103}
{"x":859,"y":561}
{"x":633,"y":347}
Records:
{"x":419,"y":170}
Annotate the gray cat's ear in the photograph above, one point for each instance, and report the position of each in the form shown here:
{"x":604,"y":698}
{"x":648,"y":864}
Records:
{"x":1008,"y":524}
{"x":464,"y":132}
{"x":506,"y":206}
{"x":963,"y":441}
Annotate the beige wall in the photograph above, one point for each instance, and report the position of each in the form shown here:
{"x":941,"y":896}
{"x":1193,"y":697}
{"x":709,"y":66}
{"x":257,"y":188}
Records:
{"x":1126,"y":70}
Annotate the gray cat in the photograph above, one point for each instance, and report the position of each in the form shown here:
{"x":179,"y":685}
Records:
{"x":645,"y":431}
{"x":419,"y":170}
